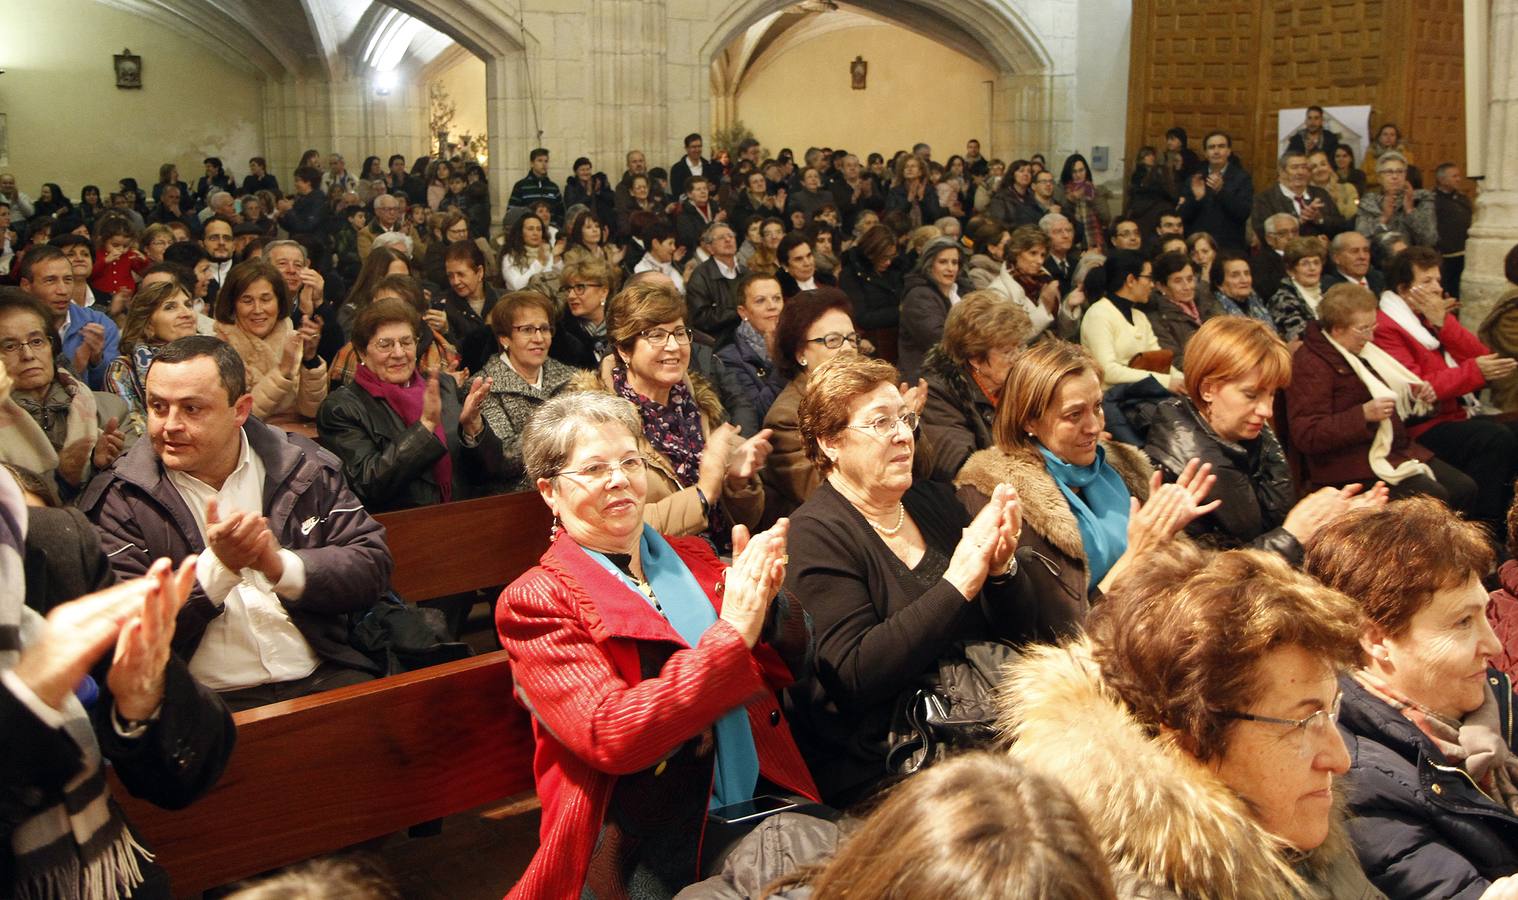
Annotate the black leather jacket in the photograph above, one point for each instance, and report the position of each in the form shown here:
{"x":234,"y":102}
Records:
{"x":1254,"y":481}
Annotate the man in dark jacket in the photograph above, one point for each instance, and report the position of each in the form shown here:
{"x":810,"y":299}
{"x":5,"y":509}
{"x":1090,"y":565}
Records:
{"x":286,"y":550}
{"x":536,"y":185}
{"x":689,"y":166}
{"x":1312,"y":136}
{"x":1453,"y":213}
{"x":1292,"y":193}
{"x":306,"y":215}
{"x":1351,"y":255}
{"x":1220,"y":197}
{"x":712,"y":293}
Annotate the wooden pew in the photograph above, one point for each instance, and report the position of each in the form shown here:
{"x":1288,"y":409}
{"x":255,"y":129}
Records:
{"x":320,"y":773}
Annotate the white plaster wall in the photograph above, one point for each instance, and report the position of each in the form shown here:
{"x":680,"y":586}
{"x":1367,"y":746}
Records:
{"x":69,"y":123}
{"x":917,"y":90}
{"x":1101,"y":70}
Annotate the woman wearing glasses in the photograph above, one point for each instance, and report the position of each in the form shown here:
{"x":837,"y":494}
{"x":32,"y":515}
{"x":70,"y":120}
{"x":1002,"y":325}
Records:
{"x":403,"y":436}
{"x":579,"y":340}
{"x":1200,"y":703}
{"x":814,"y":327}
{"x":1081,"y":493}
{"x":649,"y":706}
{"x":893,"y":573}
{"x":522,"y":377}
{"x":702,"y":475}
{"x":1428,"y":722}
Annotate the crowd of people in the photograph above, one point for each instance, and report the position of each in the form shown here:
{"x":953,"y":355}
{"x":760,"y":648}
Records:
{"x":1205,"y":485}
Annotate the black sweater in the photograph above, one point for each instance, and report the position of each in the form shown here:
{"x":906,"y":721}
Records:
{"x":879,"y":627}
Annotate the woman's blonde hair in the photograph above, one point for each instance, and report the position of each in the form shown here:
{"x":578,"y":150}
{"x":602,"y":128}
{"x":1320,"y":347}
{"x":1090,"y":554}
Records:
{"x":983,"y":321}
{"x":1032,"y":383}
{"x":975,"y":826}
{"x":824,"y":409}
{"x":921,"y":236}
{"x":1226,"y":348}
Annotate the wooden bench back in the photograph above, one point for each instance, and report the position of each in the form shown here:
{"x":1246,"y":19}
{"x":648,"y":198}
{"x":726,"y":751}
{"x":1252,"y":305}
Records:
{"x":320,"y":773}
{"x":457,"y":547}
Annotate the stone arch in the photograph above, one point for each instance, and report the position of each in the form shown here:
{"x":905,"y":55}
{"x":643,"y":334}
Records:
{"x":1023,"y":103}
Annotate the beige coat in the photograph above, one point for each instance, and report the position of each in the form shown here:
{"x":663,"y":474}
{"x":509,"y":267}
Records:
{"x":1169,"y":826}
{"x":276,"y":396}
{"x":670,"y":508}
{"x":788,"y":474}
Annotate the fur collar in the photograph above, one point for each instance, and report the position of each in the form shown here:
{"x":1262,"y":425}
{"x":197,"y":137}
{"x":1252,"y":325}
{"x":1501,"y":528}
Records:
{"x":1045,"y":509}
{"x":1162,"y":817}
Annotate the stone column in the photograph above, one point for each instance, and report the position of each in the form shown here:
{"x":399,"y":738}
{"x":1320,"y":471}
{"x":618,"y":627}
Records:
{"x":1495,"y":230}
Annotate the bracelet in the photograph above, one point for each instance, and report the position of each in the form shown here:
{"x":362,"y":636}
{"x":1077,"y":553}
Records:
{"x":1006,"y":573}
{"x":706,"y":506}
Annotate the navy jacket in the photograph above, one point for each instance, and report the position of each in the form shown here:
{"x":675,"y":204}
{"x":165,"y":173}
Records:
{"x":1421,"y":827}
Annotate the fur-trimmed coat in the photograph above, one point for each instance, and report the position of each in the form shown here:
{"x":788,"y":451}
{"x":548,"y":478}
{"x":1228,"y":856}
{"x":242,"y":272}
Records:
{"x":670,"y":508}
{"x":1169,"y":826}
{"x":1051,"y":556}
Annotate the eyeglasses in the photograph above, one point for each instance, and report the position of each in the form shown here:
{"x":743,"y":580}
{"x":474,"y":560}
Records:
{"x":533,"y":330}
{"x":385,"y":345}
{"x":885,"y":426}
{"x":13,"y":347}
{"x":659,"y":337}
{"x":1363,"y":330}
{"x":600,"y":472}
{"x":1309,"y":730}
{"x":582,"y":287}
{"x":833,"y":340}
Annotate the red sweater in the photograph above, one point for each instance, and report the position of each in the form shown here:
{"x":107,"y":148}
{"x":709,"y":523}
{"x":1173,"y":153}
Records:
{"x":1449,"y":382}
{"x":573,"y":632}
{"x":117,"y":275}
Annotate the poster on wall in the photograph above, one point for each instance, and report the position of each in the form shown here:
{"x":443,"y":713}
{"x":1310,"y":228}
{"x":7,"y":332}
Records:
{"x":1351,"y":123}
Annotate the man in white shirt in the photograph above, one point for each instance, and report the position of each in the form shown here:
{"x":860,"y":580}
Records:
{"x":292,"y":551}
{"x":337,"y":175}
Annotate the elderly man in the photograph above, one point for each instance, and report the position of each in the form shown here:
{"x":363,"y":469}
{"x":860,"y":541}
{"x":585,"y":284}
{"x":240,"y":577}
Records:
{"x":1453,"y":213}
{"x":1060,"y":261}
{"x":1350,"y":251}
{"x":21,"y":205}
{"x":90,"y":338}
{"x":1268,"y":265}
{"x":1220,"y":196}
{"x":220,"y":203}
{"x":389,"y":211}
{"x":286,"y":550}
{"x":1292,"y":193}
{"x":338,"y":176}
{"x":1396,"y":205}
{"x":712,"y":293}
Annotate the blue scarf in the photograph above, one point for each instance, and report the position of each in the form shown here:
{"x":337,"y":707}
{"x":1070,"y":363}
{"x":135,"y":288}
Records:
{"x":690,"y":613}
{"x":1101,"y":508}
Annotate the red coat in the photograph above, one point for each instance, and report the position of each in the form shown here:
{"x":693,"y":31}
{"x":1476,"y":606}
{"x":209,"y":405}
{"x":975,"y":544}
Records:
{"x":1449,"y":382}
{"x":573,"y":631}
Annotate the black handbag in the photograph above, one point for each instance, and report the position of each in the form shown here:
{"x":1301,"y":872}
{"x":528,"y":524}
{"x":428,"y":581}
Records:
{"x":951,"y":709}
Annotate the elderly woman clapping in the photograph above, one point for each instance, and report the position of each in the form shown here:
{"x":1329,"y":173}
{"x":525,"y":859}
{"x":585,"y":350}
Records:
{"x":1429,"y":722}
{"x":893,"y":572}
{"x":650,"y":668}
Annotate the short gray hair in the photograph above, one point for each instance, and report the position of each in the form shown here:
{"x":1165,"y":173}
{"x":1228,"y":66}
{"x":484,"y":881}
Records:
{"x":549,"y":438}
{"x":397,"y":239}
{"x":710,"y":234}
{"x":1390,"y":156}
{"x":1287,"y":157}
{"x":1273,"y":223}
{"x":1340,"y":243}
{"x":1052,"y":219}
{"x":278,"y":245}
{"x":217,"y":198}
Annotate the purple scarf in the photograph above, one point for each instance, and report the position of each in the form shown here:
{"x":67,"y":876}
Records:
{"x":406,"y":401}
{"x":674,"y":429}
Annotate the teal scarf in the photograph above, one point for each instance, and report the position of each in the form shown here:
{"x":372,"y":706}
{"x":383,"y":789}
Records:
{"x":690,"y":613}
{"x":1101,"y":508}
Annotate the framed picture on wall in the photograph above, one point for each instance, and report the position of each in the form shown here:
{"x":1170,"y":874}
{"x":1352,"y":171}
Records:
{"x":128,"y":69}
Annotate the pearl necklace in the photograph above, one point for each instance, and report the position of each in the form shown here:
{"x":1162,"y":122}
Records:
{"x":901,"y":518}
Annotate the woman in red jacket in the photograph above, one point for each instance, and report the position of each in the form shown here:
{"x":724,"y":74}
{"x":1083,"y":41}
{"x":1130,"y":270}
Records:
{"x":1415,"y":326}
{"x":650,"y":669}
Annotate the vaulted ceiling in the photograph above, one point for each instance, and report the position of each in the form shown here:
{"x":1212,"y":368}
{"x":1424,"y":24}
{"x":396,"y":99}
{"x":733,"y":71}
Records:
{"x":299,"y":38}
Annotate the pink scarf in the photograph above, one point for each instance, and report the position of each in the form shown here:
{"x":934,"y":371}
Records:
{"x":406,"y":400}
